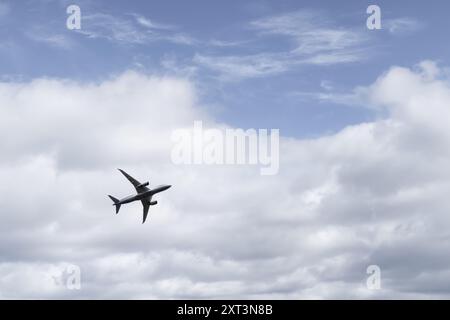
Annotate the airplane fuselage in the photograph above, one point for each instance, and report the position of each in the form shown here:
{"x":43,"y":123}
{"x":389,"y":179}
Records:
{"x":144,"y":195}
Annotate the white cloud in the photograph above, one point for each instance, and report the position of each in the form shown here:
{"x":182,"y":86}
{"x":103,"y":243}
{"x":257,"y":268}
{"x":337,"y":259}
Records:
{"x":374,"y":193}
{"x":312,"y":39}
{"x":54,"y":40}
{"x":233,"y":67}
{"x":106,"y":26}
{"x":135,"y":30}
{"x":326,"y":85}
{"x":223,"y":43}
{"x":311,"y":32}
{"x":402,"y":25}
{"x":146,"y":22}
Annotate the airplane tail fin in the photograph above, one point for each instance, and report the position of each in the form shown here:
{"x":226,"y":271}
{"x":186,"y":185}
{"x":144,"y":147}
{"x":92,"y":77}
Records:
{"x":116,"y":203}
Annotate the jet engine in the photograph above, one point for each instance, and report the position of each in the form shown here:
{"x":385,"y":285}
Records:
{"x":143,"y":185}
{"x":152,"y":203}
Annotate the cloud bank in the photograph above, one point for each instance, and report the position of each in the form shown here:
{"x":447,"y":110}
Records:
{"x":373,"y":193}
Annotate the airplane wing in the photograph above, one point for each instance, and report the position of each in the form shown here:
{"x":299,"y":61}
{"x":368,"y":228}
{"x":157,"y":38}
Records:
{"x":146,"y":205}
{"x":134,"y":182}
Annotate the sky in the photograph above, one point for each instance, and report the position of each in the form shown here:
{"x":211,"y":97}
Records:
{"x":364,"y":139}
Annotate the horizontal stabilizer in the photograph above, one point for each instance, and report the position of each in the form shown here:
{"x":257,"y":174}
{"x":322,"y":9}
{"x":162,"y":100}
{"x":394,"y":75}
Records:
{"x":116,"y":203}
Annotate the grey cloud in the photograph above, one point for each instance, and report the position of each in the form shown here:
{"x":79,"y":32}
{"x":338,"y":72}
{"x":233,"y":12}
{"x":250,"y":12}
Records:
{"x":366,"y":195}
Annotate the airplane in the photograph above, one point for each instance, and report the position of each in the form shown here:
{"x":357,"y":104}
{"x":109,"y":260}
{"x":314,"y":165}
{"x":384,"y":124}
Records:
{"x":144,"y":194}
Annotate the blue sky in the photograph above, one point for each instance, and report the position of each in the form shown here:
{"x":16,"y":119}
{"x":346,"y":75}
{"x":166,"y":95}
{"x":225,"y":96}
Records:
{"x":192,"y":38}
